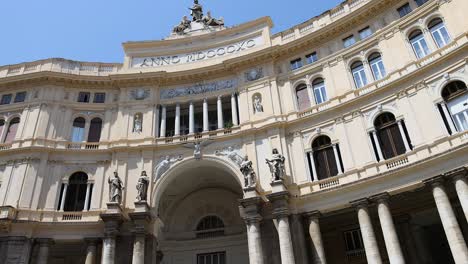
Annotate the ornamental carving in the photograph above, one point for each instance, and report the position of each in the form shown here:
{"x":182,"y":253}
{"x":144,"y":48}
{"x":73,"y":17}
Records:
{"x":253,"y":74}
{"x":198,"y":89}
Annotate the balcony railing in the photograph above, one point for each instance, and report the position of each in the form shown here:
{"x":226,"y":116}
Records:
{"x":415,"y":156}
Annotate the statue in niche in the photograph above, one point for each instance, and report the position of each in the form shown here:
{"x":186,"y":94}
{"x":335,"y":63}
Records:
{"x":257,"y":104}
{"x":138,"y":123}
{"x":142,"y":187}
{"x":165,"y":165}
{"x":115,"y":188}
{"x":248,"y":172}
{"x":196,"y":11}
{"x":184,"y":24}
{"x":276,"y":165}
{"x":210,"y":21}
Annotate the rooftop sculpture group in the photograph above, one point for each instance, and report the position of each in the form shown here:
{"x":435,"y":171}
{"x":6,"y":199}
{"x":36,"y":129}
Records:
{"x":197,"y":17}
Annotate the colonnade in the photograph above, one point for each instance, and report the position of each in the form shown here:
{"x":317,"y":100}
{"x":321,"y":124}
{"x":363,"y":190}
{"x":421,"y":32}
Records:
{"x":281,"y":214}
{"x":191,"y":114}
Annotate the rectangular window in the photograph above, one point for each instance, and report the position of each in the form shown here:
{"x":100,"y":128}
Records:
{"x":349,"y":41}
{"x":354,"y":245}
{"x":296,"y":64}
{"x":404,"y":10}
{"x":6,"y":99}
{"x":420,"y":47}
{"x":420,"y":2}
{"x":20,"y":97}
{"x":440,"y":34}
{"x":83,"y":97}
{"x":311,"y":58}
{"x":364,"y":33}
{"x":99,"y":98}
{"x":212,"y":258}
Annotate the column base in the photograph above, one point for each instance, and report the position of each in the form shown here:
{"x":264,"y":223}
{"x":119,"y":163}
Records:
{"x":141,"y":207}
{"x":113,"y":208}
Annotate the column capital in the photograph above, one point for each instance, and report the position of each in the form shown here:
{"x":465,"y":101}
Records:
{"x":435,"y":181}
{"x":92,"y":241}
{"x":313,"y":215}
{"x":459,"y":173}
{"x":361,"y":203}
{"x":280,"y":204}
{"x":380,"y":198}
{"x":44,"y":241}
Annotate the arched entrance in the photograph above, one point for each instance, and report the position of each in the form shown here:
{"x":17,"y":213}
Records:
{"x":199,"y":220}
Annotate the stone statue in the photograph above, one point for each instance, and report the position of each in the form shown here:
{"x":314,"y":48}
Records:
{"x":184,"y":24}
{"x":137,"y":123}
{"x":197,"y":148}
{"x":276,"y":165}
{"x":257,"y":103}
{"x":210,"y":21}
{"x":248,"y":172}
{"x":115,"y":189}
{"x":196,"y":11}
{"x":164,"y":165}
{"x":142,"y":187}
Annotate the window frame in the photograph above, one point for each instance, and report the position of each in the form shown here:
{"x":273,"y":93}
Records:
{"x":404,"y":10}
{"x":366,"y":30}
{"x":377,"y":66}
{"x":6,"y":99}
{"x":347,"y":41}
{"x":358,"y":72}
{"x":84,"y":97}
{"x":439,"y":33}
{"x":296,"y":64}
{"x":320,"y":91}
{"x":97,"y":96}
{"x":20,"y":97}
{"x":311,"y":57}
{"x":419,"y":43}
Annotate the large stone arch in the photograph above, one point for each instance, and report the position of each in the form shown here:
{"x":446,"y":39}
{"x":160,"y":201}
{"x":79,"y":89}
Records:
{"x":185,"y":166}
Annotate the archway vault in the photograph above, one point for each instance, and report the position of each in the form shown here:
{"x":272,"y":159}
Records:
{"x":192,"y":174}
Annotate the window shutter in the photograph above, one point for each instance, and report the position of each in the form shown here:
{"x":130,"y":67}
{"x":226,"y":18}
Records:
{"x":303,"y":101}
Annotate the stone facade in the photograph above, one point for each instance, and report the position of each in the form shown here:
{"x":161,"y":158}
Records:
{"x":366,"y":107}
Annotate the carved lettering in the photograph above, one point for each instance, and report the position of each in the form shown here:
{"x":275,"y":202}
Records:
{"x":197,"y":56}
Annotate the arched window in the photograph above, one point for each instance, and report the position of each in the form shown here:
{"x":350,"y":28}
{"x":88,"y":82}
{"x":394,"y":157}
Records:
{"x":320,"y":91}
{"x":325,"y":158}
{"x":12,"y":129}
{"x":302,"y":96}
{"x":391,"y":136}
{"x":210,"y":226}
{"x":359,"y":74}
{"x":377,"y":66}
{"x":439,"y":32}
{"x":78,"y":129}
{"x":95,"y":128}
{"x":75,"y":196}
{"x":455,"y":95}
{"x":419,"y":44}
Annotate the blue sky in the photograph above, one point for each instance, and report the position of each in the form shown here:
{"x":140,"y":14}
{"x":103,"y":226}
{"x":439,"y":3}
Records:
{"x":93,"y":30}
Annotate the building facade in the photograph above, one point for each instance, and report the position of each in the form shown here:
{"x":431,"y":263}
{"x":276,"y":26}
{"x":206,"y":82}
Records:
{"x":341,"y":140}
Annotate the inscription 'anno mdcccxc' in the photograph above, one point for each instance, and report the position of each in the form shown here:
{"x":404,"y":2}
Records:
{"x":195,"y":56}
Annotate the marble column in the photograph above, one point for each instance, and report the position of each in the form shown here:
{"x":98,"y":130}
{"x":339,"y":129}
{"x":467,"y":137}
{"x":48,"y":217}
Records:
{"x":139,"y":249}
{"x":91,"y":251}
{"x":235,"y":120}
{"x":206,"y":121}
{"x":449,"y":221}
{"x":220,"y":113}
{"x":318,"y":251}
{"x":250,"y":209}
{"x":162,"y":130}
{"x":448,"y":117}
{"x":177,"y":121}
{"x":337,"y":159}
{"x":108,"y":249}
{"x":403,"y":136}
{"x":459,"y":178}
{"x":88,"y":190}
{"x":191,"y":118}
{"x":377,"y":145}
{"x":64,"y":196}
{"x":44,"y":246}
{"x":367,"y":232}
{"x":312,"y":163}
{"x":395,"y":254}
{"x":280,"y":204}
{"x":254,"y":240}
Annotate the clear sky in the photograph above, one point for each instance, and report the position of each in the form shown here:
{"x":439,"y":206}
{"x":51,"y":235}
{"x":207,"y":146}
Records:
{"x":93,"y":30}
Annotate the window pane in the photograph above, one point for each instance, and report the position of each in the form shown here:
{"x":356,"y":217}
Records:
{"x":311,"y":58}
{"x":349,"y":41}
{"x":12,"y":129}
{"x":95,"y":130}
{"x":99,"y":98}
{"x":404,"y":10}
{"x":364,"y":33}
{"x":83,"y":97}
{"x":6,"y":99}
{"x":302,"y":96}
{"x":296,"y":64}
{"x":20,"y":97}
